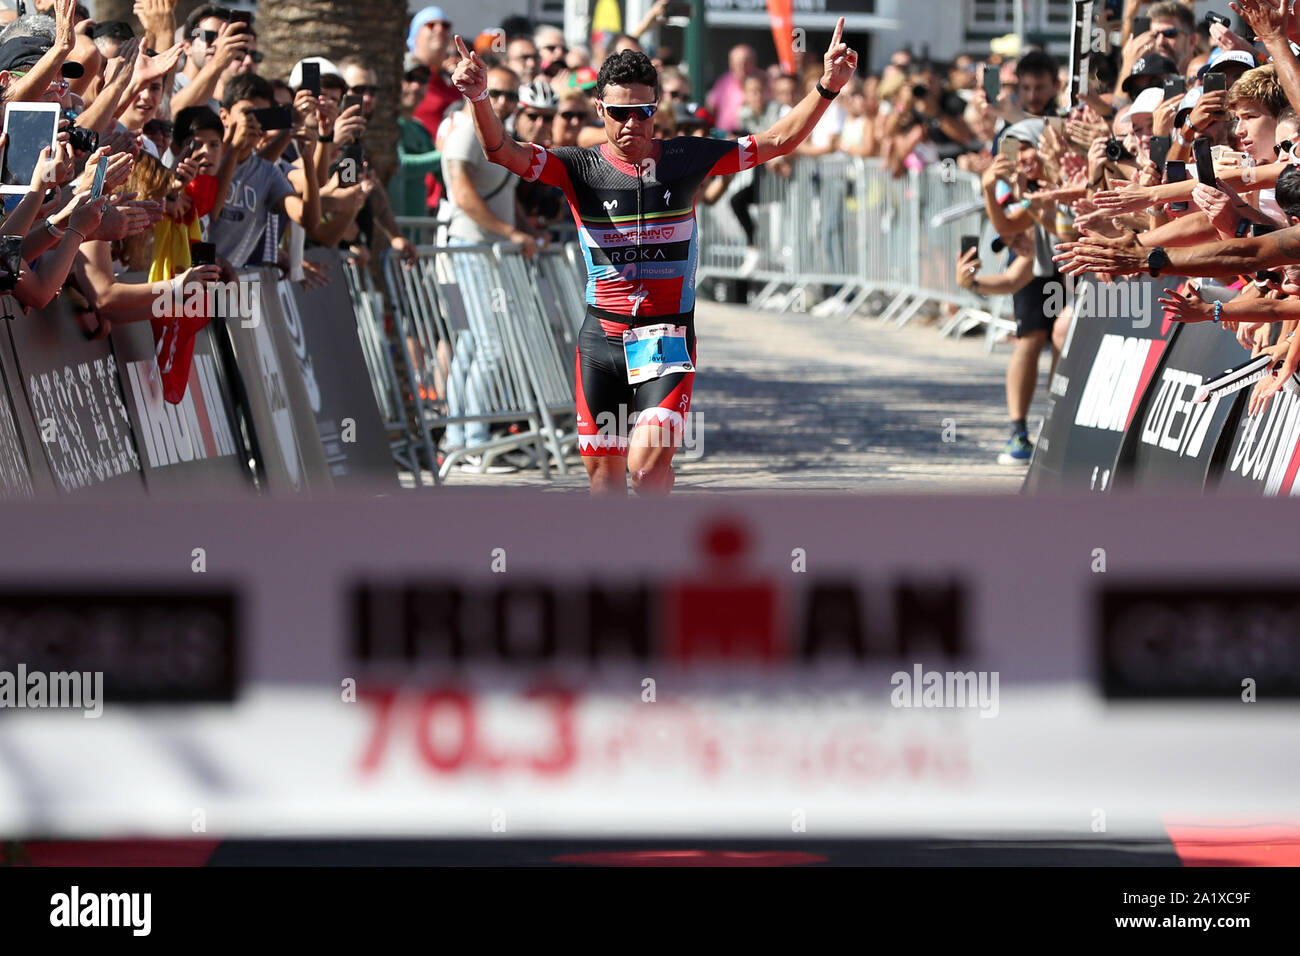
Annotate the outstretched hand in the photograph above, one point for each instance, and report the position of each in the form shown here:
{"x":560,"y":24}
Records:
{"x":470,"y":75}
{"x":840,"y":62}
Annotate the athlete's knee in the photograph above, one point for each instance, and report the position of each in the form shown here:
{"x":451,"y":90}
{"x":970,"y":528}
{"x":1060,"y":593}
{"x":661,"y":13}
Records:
{"x":658,"y":479}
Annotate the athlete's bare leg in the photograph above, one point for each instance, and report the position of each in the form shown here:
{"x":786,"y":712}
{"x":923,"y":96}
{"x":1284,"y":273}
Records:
{"x":650,"y":458}
{"x":607,"y":474}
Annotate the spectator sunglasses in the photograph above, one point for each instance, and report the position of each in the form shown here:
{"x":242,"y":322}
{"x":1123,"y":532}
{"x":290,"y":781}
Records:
{"x":621,"y":114}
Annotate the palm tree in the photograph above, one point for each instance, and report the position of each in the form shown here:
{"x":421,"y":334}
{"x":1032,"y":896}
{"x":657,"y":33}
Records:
{"x":288,"y":30}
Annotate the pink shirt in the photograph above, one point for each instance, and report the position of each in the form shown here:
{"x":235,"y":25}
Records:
{"x":725,"y":100}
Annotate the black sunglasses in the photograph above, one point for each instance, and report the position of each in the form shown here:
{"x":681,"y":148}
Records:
{"x":1282,"y":147}
{"x":572,"y":116}
{"x":257,"y":56}
{"x":621,"y":114}
{"x":538,"y":116}
{"x":678,"y":95}
{"x":506,"y":94}
{"x":1169,"y":33}
{"x":365,"y":90}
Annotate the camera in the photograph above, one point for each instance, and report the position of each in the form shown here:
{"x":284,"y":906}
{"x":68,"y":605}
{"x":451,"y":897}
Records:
{"x":1115,"y":151}
{"x":920,"y":91}
{"x":11,"y":261}
{"x":83,"y":140}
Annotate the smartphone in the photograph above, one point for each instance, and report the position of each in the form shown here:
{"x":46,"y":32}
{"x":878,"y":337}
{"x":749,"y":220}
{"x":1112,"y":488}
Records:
{"x":992,"y":82}
{"x":241,"y":16}
{"x":678,"y":8}
{"x":1204,"y":160}
{"x":203,"y":254}
{"x":349,"y":164}
{"x":1141,"y":25}
{"x":1215,"y":82}
{"x":350,"y":99}
{"x":101,"y":168}
{"x":11,"y":261}
{"x":1176,"y":172}
{"x":968,"y":243}
{"x":311,"y":78}
{"x":31,"y":127}
{"x":1159,"y":150}
{"x":274,"y":117}
{"x":1219,"y":18}
{"x":1009,"y":148}
{"x":1175,"y":86}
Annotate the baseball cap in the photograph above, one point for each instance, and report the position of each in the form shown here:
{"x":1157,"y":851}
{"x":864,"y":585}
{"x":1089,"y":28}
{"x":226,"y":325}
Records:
{"x":1147,"y":101}
{"x":1150,"y":66}
{"x":412,"y":63}
{"x":1220,"y":63}
{"x":427,"y":15}
{"x":326,"y":66}
{"x":583,"y":78}
{"x":688,"y":114}
{"x":1027,"y":131}
{"x":24,"y":52}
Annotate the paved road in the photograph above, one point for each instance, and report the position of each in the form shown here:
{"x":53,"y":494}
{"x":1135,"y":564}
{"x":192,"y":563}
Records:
{"x":804,"y":403}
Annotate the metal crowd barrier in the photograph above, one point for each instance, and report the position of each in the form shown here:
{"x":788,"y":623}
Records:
{"x":489,"y":341}
{"x":368,"y":305}
{"x":844,"y":231}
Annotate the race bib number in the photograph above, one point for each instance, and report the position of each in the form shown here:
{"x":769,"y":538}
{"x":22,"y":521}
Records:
{"x":655,"y":350}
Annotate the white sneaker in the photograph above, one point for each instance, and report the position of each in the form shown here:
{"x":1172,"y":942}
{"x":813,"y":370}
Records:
{"x":749,"y":263}
{"x":474,"y":464}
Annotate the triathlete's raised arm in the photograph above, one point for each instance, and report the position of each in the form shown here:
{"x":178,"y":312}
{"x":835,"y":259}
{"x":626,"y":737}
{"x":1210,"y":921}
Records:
{"x":470,"y":77}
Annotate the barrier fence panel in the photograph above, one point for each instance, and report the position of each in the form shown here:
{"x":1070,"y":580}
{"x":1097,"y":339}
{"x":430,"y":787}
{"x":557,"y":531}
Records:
{"x":24,"y":472}
{"x":279,"y":415}
{"x":546,"y":356}
{"x":451,"y":307}
{"x":368,"y":306}
{"x":71,"y":386}
{"x":191,"y":446}
{"x":847,"y":228}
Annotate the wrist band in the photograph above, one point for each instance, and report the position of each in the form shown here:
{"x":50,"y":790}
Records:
{"x":323,"y":138}
{"x":1218,"y":311}
{"x":72,"y":228}
{"x":825,"y":93}
{"x":479,"y":98}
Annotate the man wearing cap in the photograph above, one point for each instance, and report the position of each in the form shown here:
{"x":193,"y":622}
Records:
{"x":1147,"y":73}
{"x":214,"y":45}
{"x":418,"y":160}
{"x":429,"y":40}
{"x":1172,"y":36}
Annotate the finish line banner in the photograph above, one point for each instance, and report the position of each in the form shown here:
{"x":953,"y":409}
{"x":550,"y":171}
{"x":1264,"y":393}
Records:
{"x":751,"y":667}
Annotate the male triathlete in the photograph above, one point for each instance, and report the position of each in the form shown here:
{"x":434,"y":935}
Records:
{"x":633,"y":200}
